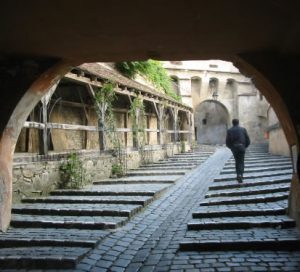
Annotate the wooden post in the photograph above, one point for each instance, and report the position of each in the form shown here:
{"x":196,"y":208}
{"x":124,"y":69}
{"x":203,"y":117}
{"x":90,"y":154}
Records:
{"x":125,"y":126}
{"x":45,"y":101}
{"x":175,"y":124}
{"x":135,"y":133}
{"x":159,"y":109}
{"x":191,"y":123}
{"x":44,"y":146}
{"x":101,"y":108}
{"x":174,"y":112}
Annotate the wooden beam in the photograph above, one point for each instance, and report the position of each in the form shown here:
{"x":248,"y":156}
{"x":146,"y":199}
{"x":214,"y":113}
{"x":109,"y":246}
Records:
{"x":147,"y":96}
{"x":37,"y":125}
{"x":41,"y":126}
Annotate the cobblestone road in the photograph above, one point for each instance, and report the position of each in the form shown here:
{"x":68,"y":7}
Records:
{"x":150,"y":241}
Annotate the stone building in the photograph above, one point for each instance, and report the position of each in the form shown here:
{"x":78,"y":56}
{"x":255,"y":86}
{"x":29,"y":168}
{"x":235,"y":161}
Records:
{"x":218,"y":92}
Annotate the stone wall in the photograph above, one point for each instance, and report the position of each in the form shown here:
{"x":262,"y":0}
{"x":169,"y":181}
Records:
{"x":33,"y":176}
{"x":256,"y":124}
{"x":277,"y":141}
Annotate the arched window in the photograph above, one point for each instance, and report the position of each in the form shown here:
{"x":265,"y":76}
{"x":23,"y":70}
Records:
{"x":230,"y":87}
{"x":196,"y":85}
{"x":213,"y":88}
{"x":230,"y":82}
{"x":175,"y":83}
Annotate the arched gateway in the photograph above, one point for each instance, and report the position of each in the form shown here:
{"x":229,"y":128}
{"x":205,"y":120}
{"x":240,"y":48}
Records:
{"x":211,"y":122}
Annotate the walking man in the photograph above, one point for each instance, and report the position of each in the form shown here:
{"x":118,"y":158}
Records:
{"x":237,"y":140}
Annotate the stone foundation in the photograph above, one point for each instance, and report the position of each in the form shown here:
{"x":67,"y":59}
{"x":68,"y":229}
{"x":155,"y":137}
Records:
{"x":38,"y":175}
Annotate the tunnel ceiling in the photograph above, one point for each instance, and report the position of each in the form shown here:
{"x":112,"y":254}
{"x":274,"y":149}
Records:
{"x":118,"y":30}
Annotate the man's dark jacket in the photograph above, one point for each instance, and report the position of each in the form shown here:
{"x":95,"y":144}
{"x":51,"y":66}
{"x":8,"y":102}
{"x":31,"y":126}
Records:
{"x":237,"y":138}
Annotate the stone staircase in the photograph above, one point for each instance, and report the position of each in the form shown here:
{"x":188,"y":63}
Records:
{"x":59,"y":230}
{"x":247,"y":216}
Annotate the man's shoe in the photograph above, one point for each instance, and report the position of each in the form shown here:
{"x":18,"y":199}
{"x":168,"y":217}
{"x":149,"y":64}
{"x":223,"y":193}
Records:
{"x":239,"y":179}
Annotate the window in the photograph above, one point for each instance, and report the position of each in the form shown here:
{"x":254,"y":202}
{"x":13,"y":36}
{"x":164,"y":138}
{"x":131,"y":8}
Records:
{"x":213,"y":88}
{"x":175,"y":83}
{"x":196,"y":85}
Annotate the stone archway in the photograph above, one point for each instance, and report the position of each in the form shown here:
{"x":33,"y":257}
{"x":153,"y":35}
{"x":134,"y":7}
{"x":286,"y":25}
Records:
{"x":211,"y":119}
{"x":40,"y":86}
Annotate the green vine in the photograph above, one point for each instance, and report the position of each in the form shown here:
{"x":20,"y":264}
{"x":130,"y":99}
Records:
{"x":104,"y":99}
{"x":153,"y":71}
{"x":72,"y":173}
{"x":138,"y":121}
{"x":105,"y":96}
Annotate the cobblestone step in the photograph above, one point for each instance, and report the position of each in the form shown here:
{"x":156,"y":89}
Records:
{"x":244,"y":191}
{"x":172,"y":164}
{"x":255,"y":160}
{"x":145,"y":189}
{"x":27,"y":237}
{"x":245,"y":199}
{"x":264,"y":164}
{"x":41,"y":257}
{"x":243,"y":222}
{"x":247,"y":176}
{"x":115,"y":199}
{"x":140,"y":179}
{"x":262,"y":155}
{"x":247,"y":216}
{"x":77,"y":222}
{"x":193,"y":155}
{"x":168,"y":167}
{"x":45,"y":228}
{"x":77,"y":209}
{"x":235,"y":211}
{"x":195,"y":160}
{"x":240,"y":240}
{"x":283,"y":179}
{"x":243,"y":245}
{"x":44,"y":242}
{"x":258,"y":169}
{"x":152,"y":172}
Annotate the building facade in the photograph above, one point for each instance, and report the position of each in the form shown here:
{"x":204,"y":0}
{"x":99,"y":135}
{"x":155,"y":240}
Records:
{"x":218,"y":92}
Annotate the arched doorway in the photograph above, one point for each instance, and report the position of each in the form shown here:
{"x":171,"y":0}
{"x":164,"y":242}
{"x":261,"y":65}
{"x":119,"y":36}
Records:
{"x":211,"y":119}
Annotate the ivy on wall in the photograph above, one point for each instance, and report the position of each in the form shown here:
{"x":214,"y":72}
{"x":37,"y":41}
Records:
{"x":152,"y":70}
{"x":104,"y":99}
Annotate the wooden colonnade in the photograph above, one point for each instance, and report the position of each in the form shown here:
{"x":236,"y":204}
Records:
{"x":124,"y":87}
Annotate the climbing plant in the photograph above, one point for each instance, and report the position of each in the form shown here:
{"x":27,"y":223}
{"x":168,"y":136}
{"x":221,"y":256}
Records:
{"x":104,"y":98}
{"x":138,"y":121}
{"x":72,"y":173}
{"x":152,"y":70}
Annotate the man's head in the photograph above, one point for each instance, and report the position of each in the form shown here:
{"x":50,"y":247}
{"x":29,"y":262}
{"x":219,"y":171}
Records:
{"x":235,"y":122}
